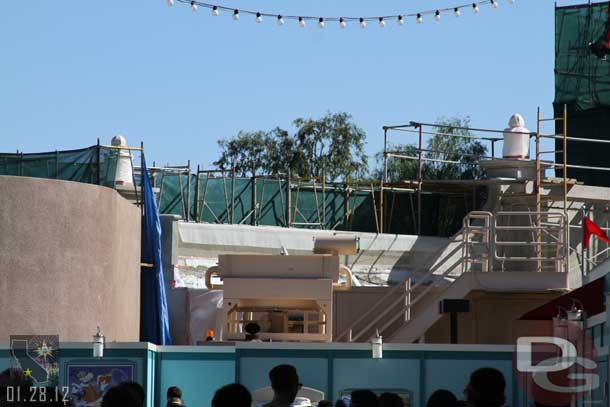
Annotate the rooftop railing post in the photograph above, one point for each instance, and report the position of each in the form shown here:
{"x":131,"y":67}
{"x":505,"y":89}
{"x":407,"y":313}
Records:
{"x":538,"y":200}
{"x":565,"y":158}
{"x":99,"y":164}
{"x":188,"y":191}
{"x":381,"y":206}
{"x":254,"y":211}
{"x":196,"y":203}
{"x":385,"y":154}
{"x":583,"y":213}
{"x":324,"y":197}
{"x":419,"y":180}
{"x":565,"y":185}
{"x":141,"y":178}
{"x":233,"y":194}
{"x":288,"y":199}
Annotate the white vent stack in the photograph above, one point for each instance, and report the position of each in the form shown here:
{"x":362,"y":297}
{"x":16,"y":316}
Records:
{"x":124,"y":170}
{"x":516,"y":138}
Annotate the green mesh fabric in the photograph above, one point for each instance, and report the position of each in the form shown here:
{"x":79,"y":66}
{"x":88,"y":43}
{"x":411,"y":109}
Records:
{"x":210,"y":200}
{"x":581,"y":79}
{"x":582,"y":82}
{"x":89,"y":165}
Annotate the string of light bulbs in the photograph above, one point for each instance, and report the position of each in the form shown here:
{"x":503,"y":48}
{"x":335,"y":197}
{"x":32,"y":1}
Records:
{"x":302,"y":20}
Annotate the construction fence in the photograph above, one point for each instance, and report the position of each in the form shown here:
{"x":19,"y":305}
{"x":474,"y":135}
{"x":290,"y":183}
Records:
{"x":582,"y":83}
{"x":222,"y":197}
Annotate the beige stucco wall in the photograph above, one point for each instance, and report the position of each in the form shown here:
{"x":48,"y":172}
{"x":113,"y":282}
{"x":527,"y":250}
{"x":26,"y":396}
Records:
{"x":69,"y":260}
{"x":493,"y":318}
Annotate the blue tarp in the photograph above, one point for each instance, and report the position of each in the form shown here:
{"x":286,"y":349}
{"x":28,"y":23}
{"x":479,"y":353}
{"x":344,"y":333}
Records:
{"x":154,"y":319}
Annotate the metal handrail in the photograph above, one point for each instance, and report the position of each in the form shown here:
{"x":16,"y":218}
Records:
{"x":487,"y":233}
{"x":561,"y":242}
{"x":394,"y":303}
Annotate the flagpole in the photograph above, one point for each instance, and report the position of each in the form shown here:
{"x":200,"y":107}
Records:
{"x":583,"y":210}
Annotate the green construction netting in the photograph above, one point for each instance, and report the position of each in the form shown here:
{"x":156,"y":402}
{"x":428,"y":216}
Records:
{"x":210,"y":199}
{"x":311,"y":206}
{"x":582,"y":82}
{"x":581,"y":79}
{"x":90,"y":165}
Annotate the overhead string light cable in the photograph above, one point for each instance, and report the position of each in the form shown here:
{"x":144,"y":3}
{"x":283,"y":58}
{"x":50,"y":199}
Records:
{"x":342,"y":20}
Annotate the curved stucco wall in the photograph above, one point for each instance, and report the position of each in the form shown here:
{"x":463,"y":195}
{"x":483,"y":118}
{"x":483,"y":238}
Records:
{"x":69,"y":260}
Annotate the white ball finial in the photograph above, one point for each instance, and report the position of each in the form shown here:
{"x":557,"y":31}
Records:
{"x":119,"y":141}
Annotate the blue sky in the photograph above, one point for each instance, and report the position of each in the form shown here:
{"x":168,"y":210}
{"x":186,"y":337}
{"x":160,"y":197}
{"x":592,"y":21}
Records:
{"x":74,"y":70}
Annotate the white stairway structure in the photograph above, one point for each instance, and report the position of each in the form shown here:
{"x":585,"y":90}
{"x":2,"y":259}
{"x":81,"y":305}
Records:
{"x":503,"y":251}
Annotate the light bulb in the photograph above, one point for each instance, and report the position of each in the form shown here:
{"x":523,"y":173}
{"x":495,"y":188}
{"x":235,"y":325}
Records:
{"x":362,"y":23}
{"x":437,"y":15}
{"x":401,"y":20}
{"x":475,"y":7}
{"x":280,"y":20}
{"x":301,"y":22}
{"x":170,"y":2}
{"x":259,"y":18}
{"x":194,"y":6}
{"x":321,"y":22}
{"x":457,"y":12}
{"x":236,"y":15}
{"x":419,"y":19}
{"x":494,"y":4}
{"x":381,"y":22}
{"x":342,"y":23}
{"x":215,"y":11}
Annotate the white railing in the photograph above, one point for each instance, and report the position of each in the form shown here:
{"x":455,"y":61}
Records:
{"x":537,"y":237}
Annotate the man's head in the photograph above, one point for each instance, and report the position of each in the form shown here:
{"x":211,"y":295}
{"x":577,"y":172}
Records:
{"x":285,"y":381}
{"x":174,"y":392}
{"x":13,"y":377}
{"x":137,"y":388}
{"x":363,"y":398}
{"x":390,"y":400}
{"x":442,"y":398}
{"x":232,"y":395}
{"x":486,"y":388}
{"x":121,"y":395}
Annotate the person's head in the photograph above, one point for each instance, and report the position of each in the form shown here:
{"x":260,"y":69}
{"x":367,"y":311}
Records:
{"x":363,"y":398}
{"x":174,"y":392}
{"x":12,"y":377}
{"x":340,"y":403}
{"x":390,"y":400}
{"x":121,"y":395}
{"x":486,"y":388}
{"x":442,"y":398}
{"x":285,"y":382}
{"x":325,"y":403}
{"x":137,"y":388}
{"x":232,"y":395}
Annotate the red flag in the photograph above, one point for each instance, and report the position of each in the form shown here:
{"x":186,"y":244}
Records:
{"x":589,"y":228}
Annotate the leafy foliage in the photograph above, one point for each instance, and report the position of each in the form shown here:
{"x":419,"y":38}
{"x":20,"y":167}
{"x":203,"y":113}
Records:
{"x":332,"y":145}
{"x":445,"y":146}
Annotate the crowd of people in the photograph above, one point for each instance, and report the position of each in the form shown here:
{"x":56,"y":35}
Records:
{"x":486,"y":388}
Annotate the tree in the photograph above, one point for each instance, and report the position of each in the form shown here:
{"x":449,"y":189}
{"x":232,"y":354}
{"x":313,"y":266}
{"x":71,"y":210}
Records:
{"x":332,"y":145}
{"x":247,"y":152}
{"x":449,"y":144}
